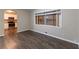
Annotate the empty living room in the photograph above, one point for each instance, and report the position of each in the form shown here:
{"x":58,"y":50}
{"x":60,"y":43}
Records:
{"x":39,"y":28}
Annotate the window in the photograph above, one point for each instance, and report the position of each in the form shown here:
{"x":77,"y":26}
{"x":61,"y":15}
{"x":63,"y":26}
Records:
{"x":39,"y":19}
{"x":52,"y":19}
{"x":48,"y":18}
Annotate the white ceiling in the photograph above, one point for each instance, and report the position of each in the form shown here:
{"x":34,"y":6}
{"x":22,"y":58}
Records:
{"x":29,"y":10}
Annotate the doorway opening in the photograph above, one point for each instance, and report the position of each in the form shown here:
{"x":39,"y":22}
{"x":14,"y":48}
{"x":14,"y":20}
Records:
{"x":10,"y":28}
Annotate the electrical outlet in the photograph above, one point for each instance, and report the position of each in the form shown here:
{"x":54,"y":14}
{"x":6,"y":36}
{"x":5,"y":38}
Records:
{"x":46,"y":32}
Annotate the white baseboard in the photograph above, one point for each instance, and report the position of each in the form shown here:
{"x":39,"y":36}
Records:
{"x":23,"y":30}
{"x":57,"y":37}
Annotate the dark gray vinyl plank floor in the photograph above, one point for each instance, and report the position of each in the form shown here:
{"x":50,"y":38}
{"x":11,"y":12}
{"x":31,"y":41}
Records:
{"x":33,"y":40}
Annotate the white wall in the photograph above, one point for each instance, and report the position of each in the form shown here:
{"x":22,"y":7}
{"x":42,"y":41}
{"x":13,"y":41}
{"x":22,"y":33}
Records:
{"x":23,"y":20}
{"x":78,"y":24}
{"x":1,"y":22}
{"x":68,"y":31}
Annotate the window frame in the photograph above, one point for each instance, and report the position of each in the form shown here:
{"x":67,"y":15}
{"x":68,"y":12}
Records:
{"x":49,"y":13}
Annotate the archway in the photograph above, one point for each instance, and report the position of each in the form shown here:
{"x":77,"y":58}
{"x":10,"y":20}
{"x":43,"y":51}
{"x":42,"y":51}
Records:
{"x":10,"y":16}
{"x":10,"y":28}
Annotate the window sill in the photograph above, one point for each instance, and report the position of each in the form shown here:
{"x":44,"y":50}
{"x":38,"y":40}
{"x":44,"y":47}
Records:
{"x":48,"y":26}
